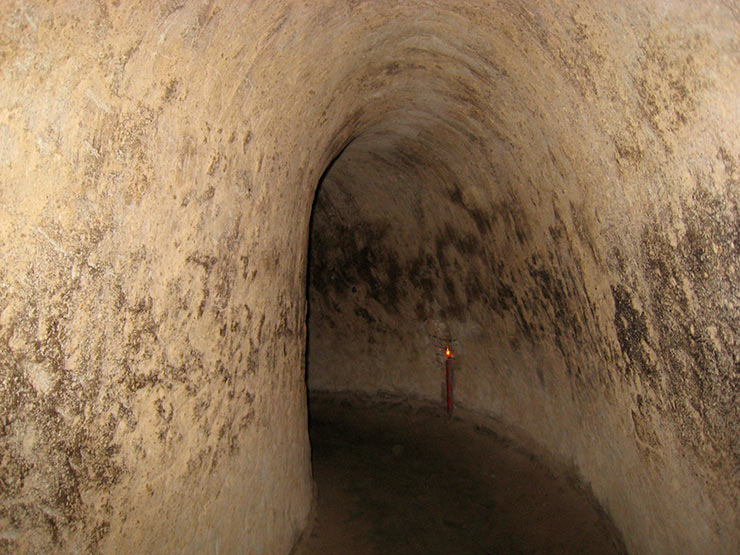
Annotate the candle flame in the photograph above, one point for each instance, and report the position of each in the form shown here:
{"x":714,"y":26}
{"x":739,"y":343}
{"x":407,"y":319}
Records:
{"x":448,"y":352}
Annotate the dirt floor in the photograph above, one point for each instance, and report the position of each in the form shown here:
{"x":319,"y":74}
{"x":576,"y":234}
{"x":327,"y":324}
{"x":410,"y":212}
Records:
{"x":402,"y":477}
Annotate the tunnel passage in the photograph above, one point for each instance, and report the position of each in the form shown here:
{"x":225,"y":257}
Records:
{"x":391,"y":240}
{"x":480,"y":210}
{"x":553,"y":186}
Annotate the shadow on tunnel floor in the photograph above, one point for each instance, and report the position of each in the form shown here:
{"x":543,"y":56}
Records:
{"x":399,"y":476}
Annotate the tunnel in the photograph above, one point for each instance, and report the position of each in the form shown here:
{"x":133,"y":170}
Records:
{"x":211,"y":208}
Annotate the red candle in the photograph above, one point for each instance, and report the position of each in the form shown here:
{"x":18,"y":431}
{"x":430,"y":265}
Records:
{"x":448,"y":378}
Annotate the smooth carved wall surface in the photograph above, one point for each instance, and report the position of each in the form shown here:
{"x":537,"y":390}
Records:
{"x":553,"y":187}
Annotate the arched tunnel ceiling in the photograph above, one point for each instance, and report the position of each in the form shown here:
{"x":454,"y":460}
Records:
{"x":552,"y":186}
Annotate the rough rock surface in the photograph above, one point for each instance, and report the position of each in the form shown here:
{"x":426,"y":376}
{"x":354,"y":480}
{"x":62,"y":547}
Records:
{"x":552,"y":186}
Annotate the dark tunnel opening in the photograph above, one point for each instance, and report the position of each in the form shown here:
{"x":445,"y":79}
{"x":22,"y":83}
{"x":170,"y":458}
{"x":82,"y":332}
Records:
{"x":388,"y":264}
{"x":416,"y":478}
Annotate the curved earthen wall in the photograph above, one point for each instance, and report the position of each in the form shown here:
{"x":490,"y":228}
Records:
{"x":552,"y":190}
{"x":551,"y":187}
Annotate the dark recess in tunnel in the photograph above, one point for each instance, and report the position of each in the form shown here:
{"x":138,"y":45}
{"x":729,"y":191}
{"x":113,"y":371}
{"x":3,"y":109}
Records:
{"x":339,"y":422}
{"x":389,"y":457}
{"x":396,"y":248}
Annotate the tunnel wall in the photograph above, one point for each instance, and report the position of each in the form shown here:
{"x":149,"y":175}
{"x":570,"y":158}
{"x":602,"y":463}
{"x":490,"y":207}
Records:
{"x":152,"y":305}
{"x":158,"y":167}
{"x":558,"y":201}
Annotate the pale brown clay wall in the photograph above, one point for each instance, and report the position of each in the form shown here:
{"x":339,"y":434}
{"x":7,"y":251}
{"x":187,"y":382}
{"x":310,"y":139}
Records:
{"x":153,"y":305}
{"x":552,"y":187}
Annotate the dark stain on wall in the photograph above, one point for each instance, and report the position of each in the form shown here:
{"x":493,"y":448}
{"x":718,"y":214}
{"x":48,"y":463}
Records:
{"x":352,"y":256}
{"x":631,"y":329}
{"x":696,"y":311}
